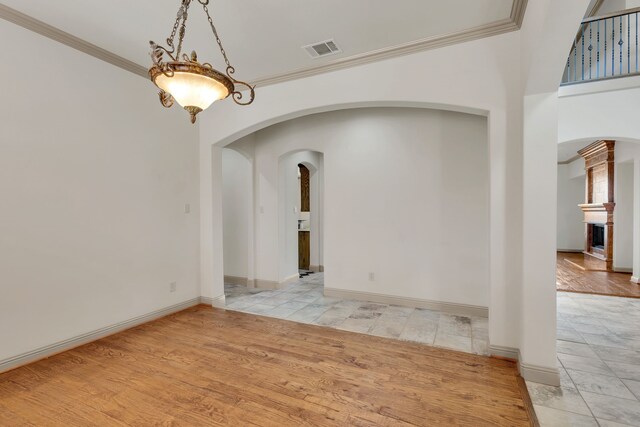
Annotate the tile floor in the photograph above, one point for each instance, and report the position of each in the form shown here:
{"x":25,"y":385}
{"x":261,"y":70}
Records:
{"x":304,"y":302}
{"x":599,"y":361}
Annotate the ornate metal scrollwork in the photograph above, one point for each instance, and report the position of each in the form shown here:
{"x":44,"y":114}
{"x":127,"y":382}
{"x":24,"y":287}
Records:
{"x":166,"y":99}
{"x":236,"y":94}
{"x":176,"y":61}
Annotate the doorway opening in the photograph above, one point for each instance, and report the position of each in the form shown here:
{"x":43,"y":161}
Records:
{"x":594,"y":228}
{"x":301,"y":201}
{"x":304,"y":221}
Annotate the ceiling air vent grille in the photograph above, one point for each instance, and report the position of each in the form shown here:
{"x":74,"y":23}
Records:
{"x":325,"y":48}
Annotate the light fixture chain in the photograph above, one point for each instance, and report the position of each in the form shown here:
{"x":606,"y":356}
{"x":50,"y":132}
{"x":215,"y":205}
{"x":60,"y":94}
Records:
{"x":215,"y":33}
{"x":179,"y":17}
{"x":183,"y":29}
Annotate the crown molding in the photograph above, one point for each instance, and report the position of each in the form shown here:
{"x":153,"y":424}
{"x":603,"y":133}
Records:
{"x":513,"y":23}
{"x":571,"y":160}
{"x":44,"y":29}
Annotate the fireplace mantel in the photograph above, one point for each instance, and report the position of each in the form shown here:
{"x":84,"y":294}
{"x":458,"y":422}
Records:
{"x":599,"y":206}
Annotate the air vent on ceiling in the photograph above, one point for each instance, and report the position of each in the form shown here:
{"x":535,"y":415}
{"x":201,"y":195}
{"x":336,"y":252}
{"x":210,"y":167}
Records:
{"x":325,"y":48}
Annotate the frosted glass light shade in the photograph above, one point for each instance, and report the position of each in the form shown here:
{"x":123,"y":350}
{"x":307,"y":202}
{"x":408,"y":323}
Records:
{"x":192,"y":90}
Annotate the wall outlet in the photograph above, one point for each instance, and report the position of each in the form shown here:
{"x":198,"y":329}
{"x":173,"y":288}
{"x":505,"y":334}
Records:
{"x":187,"y":208}
{"x":372,"y":277}
{"x":172,"y":286}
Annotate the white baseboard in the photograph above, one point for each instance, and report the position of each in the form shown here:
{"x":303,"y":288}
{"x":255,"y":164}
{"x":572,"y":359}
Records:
{"x":448,"y":307}
{"x":506,"y":352}
{"x":540,"y":374}
{"x":622,"y":270}
{"x":577,"y":251}
{"x":536,"y":374}
{"x":635,"y":279}
{"x":236,"y":280}
{"x":272,"y":284}
{"x":316,"y":268}
{"x":68,"y":344}
{"x":217,"y":302}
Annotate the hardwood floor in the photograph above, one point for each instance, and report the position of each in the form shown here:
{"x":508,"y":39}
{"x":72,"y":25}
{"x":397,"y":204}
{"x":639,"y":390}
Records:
{"x":207,"y":366}
{"x":571,"y":278}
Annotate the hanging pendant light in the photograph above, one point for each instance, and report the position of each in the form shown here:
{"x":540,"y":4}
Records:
{"x":181,"y":78}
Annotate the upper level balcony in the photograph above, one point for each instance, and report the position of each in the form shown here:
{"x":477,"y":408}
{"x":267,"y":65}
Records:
{"x":606,"y":47}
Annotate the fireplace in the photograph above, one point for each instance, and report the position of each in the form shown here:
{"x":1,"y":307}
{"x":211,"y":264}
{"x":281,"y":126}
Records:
{"x":597,"y":236}
{"x":599,"y":201}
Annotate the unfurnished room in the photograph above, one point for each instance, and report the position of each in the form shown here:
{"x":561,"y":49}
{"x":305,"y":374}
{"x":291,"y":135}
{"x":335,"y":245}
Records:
{"x":320,"y":213}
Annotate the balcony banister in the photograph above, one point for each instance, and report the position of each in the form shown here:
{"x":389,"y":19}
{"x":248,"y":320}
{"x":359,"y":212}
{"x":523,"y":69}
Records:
{"x":611,"y":15}
{"x":605,"y":47}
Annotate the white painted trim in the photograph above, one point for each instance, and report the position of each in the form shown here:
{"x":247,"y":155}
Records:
{"x":571,"y":250}
{"x":568,"y":161}
{"x":635,"y":279}
{"x":217,"y":302}
{"x":533,"y":373}
{"x":512,"y":23}
{"x":597,"y":86}
{"x":265,"y":284}
{"x":316,"y":268}
{"x":68,"y":344}
{"x":236,"y":280}
{"x":272,"y":284}
{"x":506,"y":352}
{"x":448,"y":307}
{"x":540,"y":374}
{"x":622,"y":270}
{"x":44,"y":29}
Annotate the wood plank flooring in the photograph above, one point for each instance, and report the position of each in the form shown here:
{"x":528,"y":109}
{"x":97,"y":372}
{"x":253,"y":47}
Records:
{"x":207,"y":366}
{"x":571,"y":278}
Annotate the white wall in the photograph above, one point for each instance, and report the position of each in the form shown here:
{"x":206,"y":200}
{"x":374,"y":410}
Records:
{"x":94,"y":178}
{"x":406,"y":198}
{"x":492,"y":61}
{"x":236,"y":212}
{"x":623,"y":217}
{"x":509,"y":65}
{"x":571,"y":190}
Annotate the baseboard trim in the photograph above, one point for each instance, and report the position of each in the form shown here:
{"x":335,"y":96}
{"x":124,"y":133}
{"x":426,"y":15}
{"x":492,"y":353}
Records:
{"x":265,"y":284}
{"x":236,"y":280}
{"x":504,"y":352}
{"x":448,"y":307}
{"x":317,"y":268}
{"x":635,"y":279}
{"x":540,"y":374}
{"x":68,"y":344}
{"x":573,"y":251}
{"x":272,"y":284}
{"x":622,"y":270}
{"x":217,"y":302}
{"x":533,"y":373}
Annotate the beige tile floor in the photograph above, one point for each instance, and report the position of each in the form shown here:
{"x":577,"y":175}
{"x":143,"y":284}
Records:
{"x":303,"y":301}
{"x":599,"y":360}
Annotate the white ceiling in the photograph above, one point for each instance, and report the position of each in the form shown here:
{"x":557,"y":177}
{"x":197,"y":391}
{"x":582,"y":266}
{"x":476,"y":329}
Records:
{"x":263,"y":38}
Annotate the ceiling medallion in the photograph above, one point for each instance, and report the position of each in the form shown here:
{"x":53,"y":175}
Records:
{"x":194,"y":85}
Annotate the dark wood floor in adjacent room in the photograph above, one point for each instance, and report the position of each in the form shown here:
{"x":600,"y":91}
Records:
{"x":571,"y":278}
{"x":207,"y":366}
